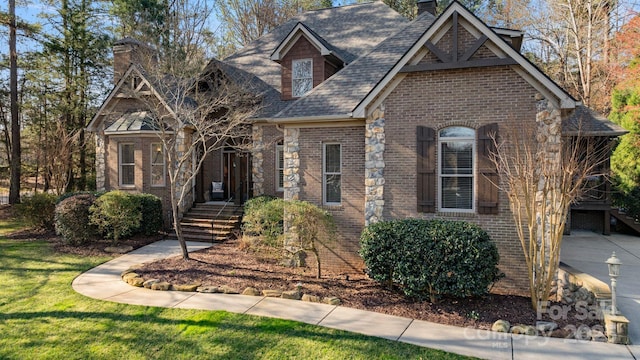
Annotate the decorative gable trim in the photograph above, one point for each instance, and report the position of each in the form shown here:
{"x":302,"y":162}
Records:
{"x":294,"y":35}
{"x":144,"y":87}
{"x":506,"y":54}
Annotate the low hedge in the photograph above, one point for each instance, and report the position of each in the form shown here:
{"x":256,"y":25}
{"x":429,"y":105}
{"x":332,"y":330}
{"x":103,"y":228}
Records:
{"x":38,"y":210}
{"x":116,"y":214}
{"x":151,"y":208}
{"x":72,"y":219}
{"x":82,"y":216}
{"x":429,"y":259}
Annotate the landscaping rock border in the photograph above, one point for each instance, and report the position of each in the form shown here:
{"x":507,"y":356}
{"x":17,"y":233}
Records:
{"x":134,"y":279}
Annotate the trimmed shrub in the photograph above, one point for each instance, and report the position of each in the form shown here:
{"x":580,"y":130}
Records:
{"x":263,"y":218}
{"x":116,"y":214}
{"x":431,"y":259}
{"x":72,"y":219}
{"x":38,"y":210}
{"x":67,"y":195}
{"x":151,"y":209}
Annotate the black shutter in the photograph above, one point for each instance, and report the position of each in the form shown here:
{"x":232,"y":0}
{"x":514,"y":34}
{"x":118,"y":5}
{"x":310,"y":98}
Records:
{"x":487,"y":173}
{"x":426,"y":168}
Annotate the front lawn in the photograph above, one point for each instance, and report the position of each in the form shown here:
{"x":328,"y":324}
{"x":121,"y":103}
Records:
{"x":41,"y":317}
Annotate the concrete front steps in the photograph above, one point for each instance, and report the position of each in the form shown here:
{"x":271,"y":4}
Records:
{"x":210,"y":222}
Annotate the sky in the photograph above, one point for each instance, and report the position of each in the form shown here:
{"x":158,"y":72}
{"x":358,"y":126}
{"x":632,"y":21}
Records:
{"x":29,"y":10}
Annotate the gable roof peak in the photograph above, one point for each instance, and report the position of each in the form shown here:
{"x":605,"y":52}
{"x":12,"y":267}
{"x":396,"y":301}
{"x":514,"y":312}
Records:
{"x":302,"y":30}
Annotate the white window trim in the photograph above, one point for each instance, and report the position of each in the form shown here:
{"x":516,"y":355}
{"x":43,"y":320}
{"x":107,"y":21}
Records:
{"x":164,"y":166}
{"x":121,"y":164}
{"x":279,"y":150}
{"x":325,"y":173}
{"x":293,"y":79}
{"x":474,"y":194}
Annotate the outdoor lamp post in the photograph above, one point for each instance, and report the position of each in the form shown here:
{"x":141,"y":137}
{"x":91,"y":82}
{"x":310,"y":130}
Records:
{"x":614,"y":271}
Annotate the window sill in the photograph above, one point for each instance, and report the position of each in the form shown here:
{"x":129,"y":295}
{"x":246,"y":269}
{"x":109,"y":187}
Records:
{"x":457,"y":214}
{"x":333,"y":207}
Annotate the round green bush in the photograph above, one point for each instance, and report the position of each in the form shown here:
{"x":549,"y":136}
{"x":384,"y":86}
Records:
{"x":431,"y":259}
{"x":38,"y":210}
{"x":117,"y":215}
{"x":72,"y":219}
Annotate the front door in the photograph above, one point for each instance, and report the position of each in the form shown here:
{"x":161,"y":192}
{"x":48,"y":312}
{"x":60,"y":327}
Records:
{"x":236,"y":172}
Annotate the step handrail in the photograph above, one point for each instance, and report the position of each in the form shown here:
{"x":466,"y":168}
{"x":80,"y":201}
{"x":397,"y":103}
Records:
{"x":213,"y":235}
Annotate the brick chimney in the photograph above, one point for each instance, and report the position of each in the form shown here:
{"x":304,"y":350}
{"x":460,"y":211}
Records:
{"x":429,"y":6}
{"x":128,"y":51}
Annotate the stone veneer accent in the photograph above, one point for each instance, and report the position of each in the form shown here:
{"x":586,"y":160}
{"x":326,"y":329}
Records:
{"x":548,"y":138}
{"x":291,"y":164}
{"x":100,"y":163}
{"x":294,"y":255}
{"x":374,"y":167}
{"x":257,"y":152}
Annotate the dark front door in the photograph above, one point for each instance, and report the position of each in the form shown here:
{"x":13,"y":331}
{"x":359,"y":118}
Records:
{"x":236,"y":175}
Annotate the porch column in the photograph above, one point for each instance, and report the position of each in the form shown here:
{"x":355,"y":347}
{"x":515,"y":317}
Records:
{"x":374,"y":167}
{"x":549,"y":143}
{"x":257,"y":152}
{"x":100,"y":161}
{"x":291,"y":164}
{"x":294,"y":255}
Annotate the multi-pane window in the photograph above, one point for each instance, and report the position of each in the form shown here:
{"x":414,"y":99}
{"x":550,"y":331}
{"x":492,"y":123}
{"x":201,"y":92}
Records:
{"x":332,"y":173}
{"x":279,"y":167}
{"x":158,"y":174}
{"x":301,"y":77}
{"x":456,"y":153}
{"x":126,"y":164}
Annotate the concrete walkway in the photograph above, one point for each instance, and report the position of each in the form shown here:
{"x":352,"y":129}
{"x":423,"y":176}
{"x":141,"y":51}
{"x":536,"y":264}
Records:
{"x":588,"y":251}
{"x":104,"y":282}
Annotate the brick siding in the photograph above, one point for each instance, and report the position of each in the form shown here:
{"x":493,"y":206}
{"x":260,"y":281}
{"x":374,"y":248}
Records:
{"x":349,"y":216}
{"x":468,"y":97}
{"x":303,"y":49}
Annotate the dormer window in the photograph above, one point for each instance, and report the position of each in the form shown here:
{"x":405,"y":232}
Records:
{"x":302,"y":77}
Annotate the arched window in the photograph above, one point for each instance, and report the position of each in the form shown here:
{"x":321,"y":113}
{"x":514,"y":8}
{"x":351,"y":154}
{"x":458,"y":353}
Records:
{"x":456,"y":153}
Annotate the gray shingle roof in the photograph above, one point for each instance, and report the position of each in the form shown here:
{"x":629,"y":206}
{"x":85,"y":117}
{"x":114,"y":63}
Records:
{"x":587,"y":122}
{"x":351,"y":31}
{"x":355,"y":81}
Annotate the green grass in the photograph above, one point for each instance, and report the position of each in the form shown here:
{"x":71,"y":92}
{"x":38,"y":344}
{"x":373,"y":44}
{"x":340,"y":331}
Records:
{"x":11,"y":225}
{"x":41,"y":317}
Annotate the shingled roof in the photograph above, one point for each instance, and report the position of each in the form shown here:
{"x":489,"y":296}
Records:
{"x":351,"y":31}
{"x":355,"y":81}
{"x":586,"y":122}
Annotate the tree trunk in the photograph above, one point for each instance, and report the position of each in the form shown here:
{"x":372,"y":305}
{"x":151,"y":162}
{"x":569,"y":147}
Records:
{"x":175,"y":209}
{"x":82,"y":182}
{"x":14,"y":187}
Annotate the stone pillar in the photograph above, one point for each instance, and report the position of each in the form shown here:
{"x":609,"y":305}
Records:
{"x":549,"y":166}
{"x":374,"y":167}
{"x":257,"y":152}
{"x":100,"y":161}
{"x":291,"y":164}
{"x":294,"y":254}
{"x":181,"y":148}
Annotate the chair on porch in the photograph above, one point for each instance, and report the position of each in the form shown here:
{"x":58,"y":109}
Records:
{"x":217,"y":191}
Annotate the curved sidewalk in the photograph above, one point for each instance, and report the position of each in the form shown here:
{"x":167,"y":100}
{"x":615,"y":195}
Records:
{"x":104,"y":283}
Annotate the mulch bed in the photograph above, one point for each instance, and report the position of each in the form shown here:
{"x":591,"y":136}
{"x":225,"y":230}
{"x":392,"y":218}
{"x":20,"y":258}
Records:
{"x":229,"y":264}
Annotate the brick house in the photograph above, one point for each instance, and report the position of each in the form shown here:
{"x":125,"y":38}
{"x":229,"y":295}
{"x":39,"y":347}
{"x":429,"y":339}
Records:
{"x":370,"y":116}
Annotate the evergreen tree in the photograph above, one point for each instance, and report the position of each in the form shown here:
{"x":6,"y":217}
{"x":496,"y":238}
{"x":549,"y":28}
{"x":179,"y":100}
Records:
{"x":77,"y":50}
